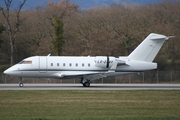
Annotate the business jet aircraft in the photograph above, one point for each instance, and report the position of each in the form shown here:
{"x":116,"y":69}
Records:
{"x":90,"y":68}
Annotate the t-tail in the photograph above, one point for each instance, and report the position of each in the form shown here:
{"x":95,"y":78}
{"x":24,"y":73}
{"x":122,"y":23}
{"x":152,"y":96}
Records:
{"x":149,"y":48}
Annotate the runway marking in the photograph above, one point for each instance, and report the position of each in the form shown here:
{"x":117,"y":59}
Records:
{"x":92,"y":87}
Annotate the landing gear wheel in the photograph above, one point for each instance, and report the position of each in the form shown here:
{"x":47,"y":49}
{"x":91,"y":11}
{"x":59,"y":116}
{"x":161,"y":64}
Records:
{"x":21,"y":84}
{"x":86,"y":84}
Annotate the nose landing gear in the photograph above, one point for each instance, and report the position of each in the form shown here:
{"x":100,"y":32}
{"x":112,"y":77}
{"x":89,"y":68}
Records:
{"x":21,"y":82}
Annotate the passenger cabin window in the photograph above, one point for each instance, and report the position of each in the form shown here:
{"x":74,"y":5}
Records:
{"x":88,"y":64}
{"x":70,"y":64}
{"x":76,"y":64}
{"x":51,"y":64}
{"x":83,"y":64}
{"x":64,"y":64}
{"x":25,"y":62}
{"x":57,"y":64}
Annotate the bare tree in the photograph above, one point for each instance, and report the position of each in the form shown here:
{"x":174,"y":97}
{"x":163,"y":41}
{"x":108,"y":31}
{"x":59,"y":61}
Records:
{"x":62,"y":10}
{"x":12,"y":30}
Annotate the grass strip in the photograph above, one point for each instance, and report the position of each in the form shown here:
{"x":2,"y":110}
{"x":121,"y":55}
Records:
{"x":90,"y":105}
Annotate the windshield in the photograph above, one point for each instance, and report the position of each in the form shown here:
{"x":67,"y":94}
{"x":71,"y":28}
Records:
{"x":25,"y":62}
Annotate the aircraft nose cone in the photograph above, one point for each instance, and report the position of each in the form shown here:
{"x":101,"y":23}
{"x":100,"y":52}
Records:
{"x":9,"y":71}
{"x":6,"y":72}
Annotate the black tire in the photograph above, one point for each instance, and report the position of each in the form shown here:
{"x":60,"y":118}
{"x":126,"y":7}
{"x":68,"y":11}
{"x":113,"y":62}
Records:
{"x":21,"y":84}
{"x":86,"y":84}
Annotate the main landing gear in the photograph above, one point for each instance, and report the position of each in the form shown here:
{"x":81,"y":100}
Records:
{"x":86,"y":83}
{"x":21,"y":82}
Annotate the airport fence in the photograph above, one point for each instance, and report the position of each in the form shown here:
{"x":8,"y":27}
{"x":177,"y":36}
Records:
{"x":143,"y":77}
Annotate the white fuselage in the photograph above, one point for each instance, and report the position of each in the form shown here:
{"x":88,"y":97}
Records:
{"x":76,"y":67}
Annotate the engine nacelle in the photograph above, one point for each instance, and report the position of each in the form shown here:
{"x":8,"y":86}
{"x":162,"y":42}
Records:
{"x":104,"y":61}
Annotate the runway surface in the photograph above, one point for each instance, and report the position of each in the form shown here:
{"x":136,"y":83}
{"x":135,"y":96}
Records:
{"x":92,"y":87}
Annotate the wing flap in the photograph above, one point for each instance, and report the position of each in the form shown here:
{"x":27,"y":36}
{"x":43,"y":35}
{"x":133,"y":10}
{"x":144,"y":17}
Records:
{"x":94,"y":76}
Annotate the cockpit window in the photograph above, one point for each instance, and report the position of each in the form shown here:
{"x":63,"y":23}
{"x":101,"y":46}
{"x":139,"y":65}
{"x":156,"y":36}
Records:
{"x":21,"y":62}
{"x":25,"y":62}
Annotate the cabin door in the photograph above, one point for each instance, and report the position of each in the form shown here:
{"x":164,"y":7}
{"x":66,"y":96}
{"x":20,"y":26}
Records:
{"x":42,"y":64}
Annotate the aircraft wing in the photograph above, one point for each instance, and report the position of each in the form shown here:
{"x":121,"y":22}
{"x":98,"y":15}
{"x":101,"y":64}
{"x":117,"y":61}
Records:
{"x":102,"y":75}
{"x":73,"y":73}
{"x":94,"y":76}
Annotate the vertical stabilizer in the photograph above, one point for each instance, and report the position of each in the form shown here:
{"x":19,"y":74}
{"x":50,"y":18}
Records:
{"x":149,"y":48}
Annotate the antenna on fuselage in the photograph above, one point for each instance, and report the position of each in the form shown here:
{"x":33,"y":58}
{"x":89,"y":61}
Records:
{"x":49,"y":54}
